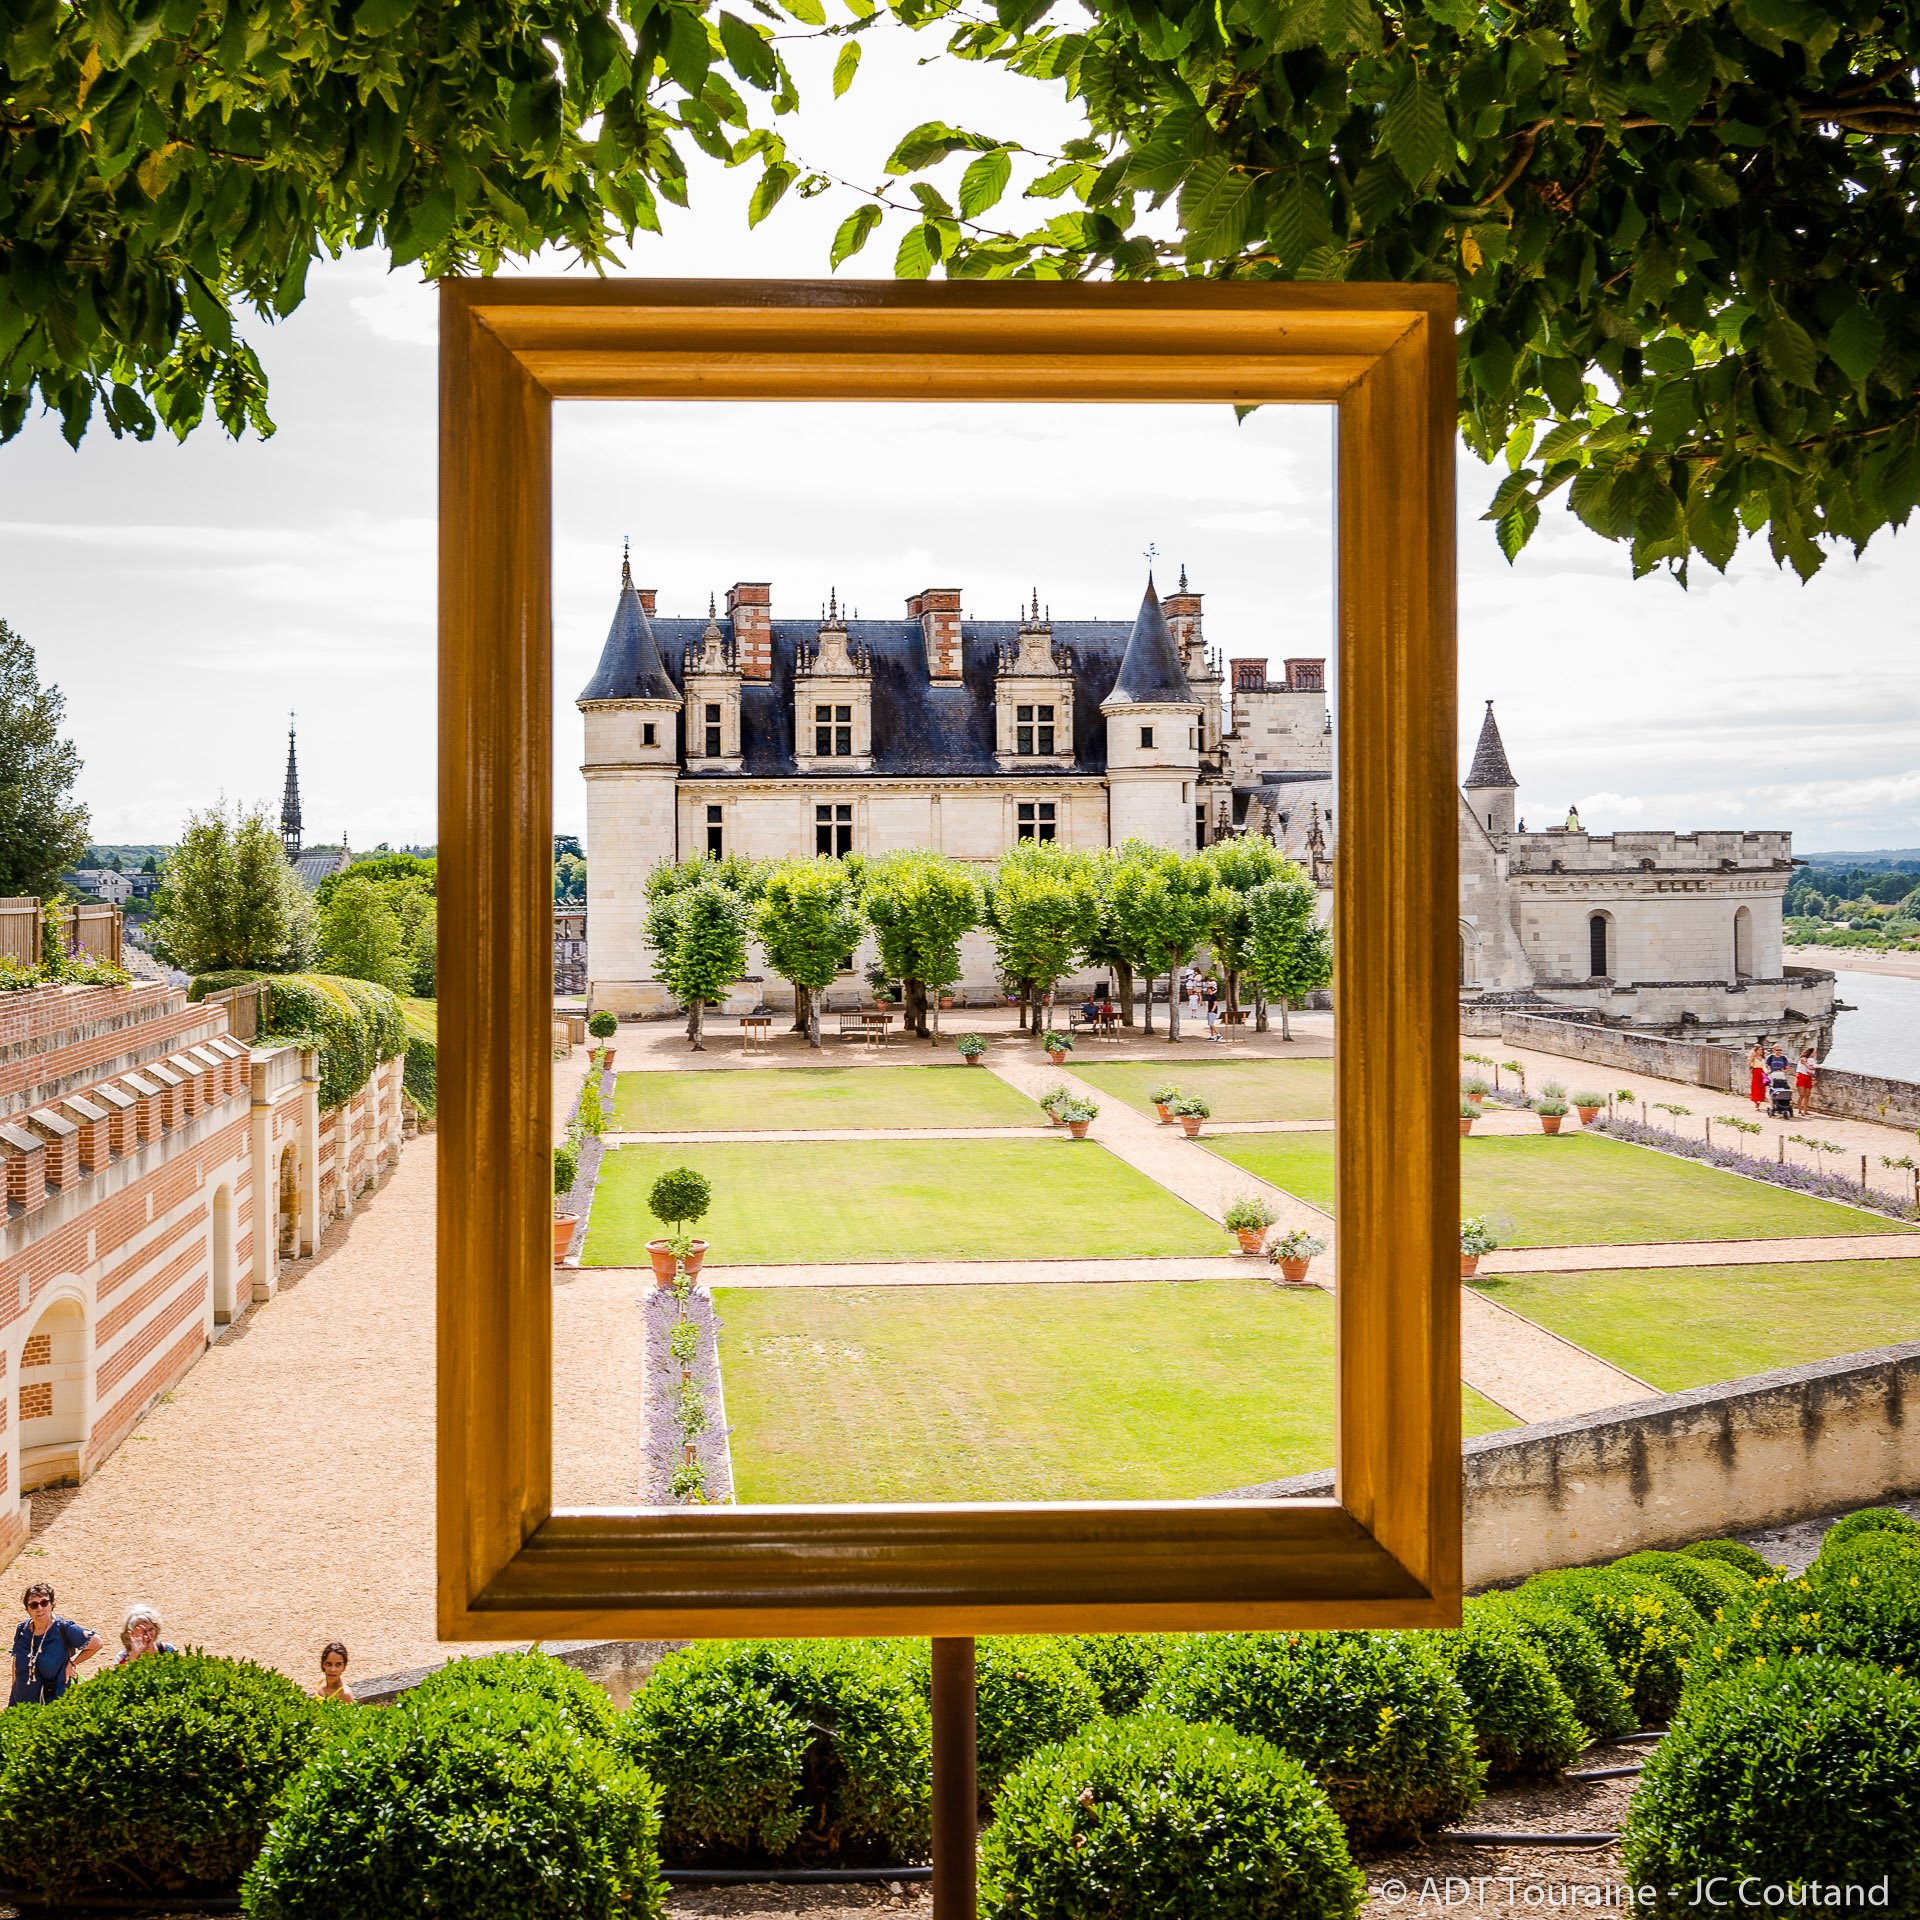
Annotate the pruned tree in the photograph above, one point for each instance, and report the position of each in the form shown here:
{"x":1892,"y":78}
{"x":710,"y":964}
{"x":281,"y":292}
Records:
{"x":699,"y":938}
{"x":1162,"y":905}
{"x":1042,"y":910}
{"x":920,"y":905}
{"x":43,"y":829}
{"x":1108,"y":948}
{"x":1290,"y":951}
{"x":1238,"y":865}
{"x":227,"y":898}
{"x":808,"y":922}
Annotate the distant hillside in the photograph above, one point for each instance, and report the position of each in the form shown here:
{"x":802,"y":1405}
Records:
{"x":1871,"y":857}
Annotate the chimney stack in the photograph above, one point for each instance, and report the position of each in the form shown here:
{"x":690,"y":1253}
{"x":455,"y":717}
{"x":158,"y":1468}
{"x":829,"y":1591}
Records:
{"x":938,"y":611}
{"x":1307,"y":676}
{"x":647,"y":597}
{"x":1182,"y":611}
{"x":750,"y":608}
{"x":1249,"y":676}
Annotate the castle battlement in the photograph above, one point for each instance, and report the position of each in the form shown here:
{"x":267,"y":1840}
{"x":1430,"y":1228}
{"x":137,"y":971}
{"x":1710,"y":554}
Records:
{"x":1558,"y":850}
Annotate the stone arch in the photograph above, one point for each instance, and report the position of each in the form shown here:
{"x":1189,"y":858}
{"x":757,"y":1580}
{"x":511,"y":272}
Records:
{"x":220,"y":1262}
{"x":287,"y":1201}
{"x":1743,"y":943}
{"x":1469,"y":955}
{"x":54,"y":1395}
{"x":1602,"y":946}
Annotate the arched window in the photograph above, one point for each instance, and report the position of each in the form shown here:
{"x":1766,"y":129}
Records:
{"x":52,"y":1405}
{"x":1599,"y":959}
{"x":1743,"y":944}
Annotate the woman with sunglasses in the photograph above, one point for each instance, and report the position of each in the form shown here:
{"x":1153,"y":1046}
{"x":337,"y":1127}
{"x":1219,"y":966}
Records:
{"x":47,"y":1650}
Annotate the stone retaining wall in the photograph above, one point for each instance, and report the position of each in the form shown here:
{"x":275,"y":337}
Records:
{"x":1761,"y":1452}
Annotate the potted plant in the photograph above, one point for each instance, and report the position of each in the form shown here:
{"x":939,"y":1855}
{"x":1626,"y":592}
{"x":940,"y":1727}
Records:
{"x":1476,"y":1238}
{"x":1474,"y":1088}
{"x":1469,"y":1113}
{"x":1292,"y":1252}
{"x":1078,"y":1116}
{"x":1587,"y":1104}
{"x":566,"y":1170}
{"x":1052,"y":1101}
{"x":602,"y":1025}
{"x":1163,"y":1096}
{"x":972,"y":1049}
{"x":679,"y":1197}
{"x":1058,"y":1046}
{"x":1190,"y":1110}
{"x":1551,"y":1113}
{"x":1248,"y":1219}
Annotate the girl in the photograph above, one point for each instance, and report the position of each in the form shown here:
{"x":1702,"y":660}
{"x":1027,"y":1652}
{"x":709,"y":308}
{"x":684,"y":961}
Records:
{"x":333,"y":1672}
{"x":1803,"y":1081}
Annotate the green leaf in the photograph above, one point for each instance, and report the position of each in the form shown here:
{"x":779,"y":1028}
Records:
{"x":688,"y":52}
{"x":208,"y":309}
{"x":1414,"y":131}
{"x":769,"y":190}
{"x":748,"y":52}
{"x":854,"y":232}
{"x":917,"y":253}
{"x":1856,"y":343}
{"x":1055,"y":181}
{"x":1216,"y":209}
{"x":1514,"y":529}
{"x":809,"y":13}
{"x":931,"y":142}
{"x":1789,"y":351}
{"x":846,"y":67}
{"x":984,"y":181}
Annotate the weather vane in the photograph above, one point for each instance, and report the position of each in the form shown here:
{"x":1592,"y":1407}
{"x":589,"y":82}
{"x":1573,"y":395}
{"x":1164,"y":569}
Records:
{"x":1153,"y":553}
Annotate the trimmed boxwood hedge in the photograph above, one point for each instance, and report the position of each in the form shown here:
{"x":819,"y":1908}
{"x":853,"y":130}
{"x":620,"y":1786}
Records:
{"x":1646,"y":1626}
{"x":1869,"y":1520}
{"x":1776,"y":1775}
{"x":1156,"y":1819}
{"x":1374,"y":1717}
{"x":471,"y":1801}
{"x":1705,"y":1584}
{"x":1522,"y":1719}
{"x":1735,"y":1554}
{"x":1122,"y":1666}
{"x":533,"y":1675}
{"x":160,"y":1774}
{"x":356,"y":1024}
{"x":802,"y":1752}
{"x":1865,"y":1607}
{"x":1579,"y":1661}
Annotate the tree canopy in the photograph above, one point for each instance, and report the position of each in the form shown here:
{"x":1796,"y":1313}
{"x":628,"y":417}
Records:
{"x":228,"y":899}
{"x":920,"y":904}
{"x":1289,"y":949}
{"x":43,"y":829}
{"x":808,"y":922}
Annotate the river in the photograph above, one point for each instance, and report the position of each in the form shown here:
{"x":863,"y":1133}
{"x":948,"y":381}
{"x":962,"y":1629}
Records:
{"x":1882,"y":1034}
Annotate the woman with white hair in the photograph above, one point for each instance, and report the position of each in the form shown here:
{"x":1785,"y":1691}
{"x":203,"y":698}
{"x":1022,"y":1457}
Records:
{"x":140,"y":1635}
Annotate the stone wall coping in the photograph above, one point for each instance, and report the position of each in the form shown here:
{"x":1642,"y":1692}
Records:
{"x":186,"y":1065}
{"x":19,"y":1139}
{"x":140,"y":1085}
{"x":160,"y":1070}
{"x":206,"y":1056}
{"x":80,"y":1104}
{"x":54,"y":1123}
{"x":112,"y":1095}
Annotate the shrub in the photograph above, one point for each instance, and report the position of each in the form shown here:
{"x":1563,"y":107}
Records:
{"x":970,"y":1046}
{"x":1522,"y":1719}
{"x":1553,"y":1109}
{"x":1031,"y":1692}
{"x":531,"y":1675}
{"x":164,"y":1773}
{"x":1868,"y":1520}
{"x":1845,"y":1615}
{"x":679,"y":1197}
{"x":1251,"y":1212}
{"x":1164,"y":1094}
{"x":1296,"y":1244}
{"x":1474,"y":1087}
{"x":1705,"y":1584}
{"x":1122,"y":1666}
{"x":1468,"y":1111}
{"x":203,"y":984}
{"x":469,"y":1800}
{"x":356,"y":1024}
{"x":1075,"y":1112}
{"x":1375,"y":1718}
{"x":1151,"y":1819}
{"x":1553,"y":1090}
{"x":420,"y":1076}
{"x":1880,"y":1556}
{"x":1587,"y":1097}
{"x":1783,"y":1775}
{"x":1732,"y":1553}
{"x":1190,"y":1106}
{"x":1573,"y":1650}
{"x":1645,"y":1626}
{"x":1477,"y":1237}
{"x":1057,"y":1042}
{"x":771,"y":1750}
{"x":602,"y":1024}
{"x":1055,"y":1097}
{"x":566,"y":1169}
{"x":592,"y":1115}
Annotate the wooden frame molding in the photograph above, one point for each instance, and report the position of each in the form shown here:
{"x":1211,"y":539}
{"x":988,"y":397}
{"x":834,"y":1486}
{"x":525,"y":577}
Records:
{"x":1386,"y":1551}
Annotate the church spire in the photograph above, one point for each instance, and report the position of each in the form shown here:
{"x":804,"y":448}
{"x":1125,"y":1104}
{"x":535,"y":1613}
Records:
{"x":1490,"y":768}
{"x":290,"y":800}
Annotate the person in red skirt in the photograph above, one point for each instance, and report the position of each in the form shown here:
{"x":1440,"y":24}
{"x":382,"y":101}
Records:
{"x":1757,"y":1075}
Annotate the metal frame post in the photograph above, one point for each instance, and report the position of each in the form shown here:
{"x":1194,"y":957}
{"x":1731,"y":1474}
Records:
{"x":956,"y":1792}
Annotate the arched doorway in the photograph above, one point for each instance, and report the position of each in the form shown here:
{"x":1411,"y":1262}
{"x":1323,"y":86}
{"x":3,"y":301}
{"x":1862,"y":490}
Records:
{"x":221,"y":1262}
{"x":1469,"y":957}
{"x":53,"y":1396}
{"x":1743,"y":944}
{"x":1599,"y":947}
{"x":288,"y":1237}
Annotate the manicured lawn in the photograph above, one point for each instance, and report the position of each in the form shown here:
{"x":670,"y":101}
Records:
{"x":1679,"y":1327}
{"x":785,"y":1099}
{"x":783,"y":1200}
{"x":1235,"y":1089}
{"x":1134,"y":1391}
{"x":1575,"y":1190}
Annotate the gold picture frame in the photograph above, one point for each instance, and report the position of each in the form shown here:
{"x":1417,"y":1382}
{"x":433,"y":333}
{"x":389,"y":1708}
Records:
{"x":1386,"y":1550}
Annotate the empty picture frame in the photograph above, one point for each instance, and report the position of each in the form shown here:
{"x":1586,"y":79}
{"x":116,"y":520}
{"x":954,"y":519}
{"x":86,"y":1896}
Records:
{"x":1386,"y":1550}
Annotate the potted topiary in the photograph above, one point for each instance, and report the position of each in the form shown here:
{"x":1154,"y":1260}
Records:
{"x":679,"y":1197}
{"x":1163,"y":1096}
{"x":1476,"y":1238}
{"x":1551,"y":1113}
{"x":1052,"y":1101}
{"x":1474,"y":1088}
{"x":1078,"y":1115}
{"x":1588,"y":1104}
{"x":1058,"y":1046}
{"x":1469,"y":1113}
{"x":602,"y":1025}
{"x":1248,"y":1219}
{"x":566,"y":1170}
{"x":972,"y":1049}
{"x":1292,"y":1253}
{"x":1190,"y":1110}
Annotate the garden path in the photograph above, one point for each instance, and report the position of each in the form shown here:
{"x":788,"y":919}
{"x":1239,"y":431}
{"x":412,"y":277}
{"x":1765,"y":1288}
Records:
{"x":974,"y":1273}
{"x":569,"y":1076}
{"x":1703,"y":1253}
{"x":1534,"y":1374}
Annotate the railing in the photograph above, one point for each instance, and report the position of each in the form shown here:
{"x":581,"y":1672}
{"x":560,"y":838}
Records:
{"x":246,"y":1007}
{"x":89,"y":928}
{"x":93,"y":928}
{"x":20,"y":930}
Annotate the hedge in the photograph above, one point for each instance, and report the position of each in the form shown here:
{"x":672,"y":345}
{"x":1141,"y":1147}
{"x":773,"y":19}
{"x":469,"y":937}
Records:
{"x":532,"y":1675}
{"x":1706,"y":1585}
{"x":1777,"y":1775}
{"x":1865,"y":1608}
{"x":164,"y":1772}
{"x":1122,"y":1666}
{"x":1579,"y":1661}
{"x":354,"y":1023}
{"x":421,"y":1075}
{"x":1736,"y":1554}
{"x":1523,"y":1721}
{"x":1869,"y":1520}
{"x":1646,"y":1626}
{"x":1154,"y":1819}
{"x":203,"y":984}
{"x":1029,"y":1692}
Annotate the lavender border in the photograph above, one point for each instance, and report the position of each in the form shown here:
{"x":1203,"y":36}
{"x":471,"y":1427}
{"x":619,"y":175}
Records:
{"x":660,"y":1395}
{"x":587,"y":1173}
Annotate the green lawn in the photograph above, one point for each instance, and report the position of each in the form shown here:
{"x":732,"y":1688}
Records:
{"x":1142,"y":1390}
{"x":1679,"y":1327}
{"x":1235,"y":1089}
{"x":1575,"y":1190}
{"x":781,"y":1200}
{"x":785,"y":1099}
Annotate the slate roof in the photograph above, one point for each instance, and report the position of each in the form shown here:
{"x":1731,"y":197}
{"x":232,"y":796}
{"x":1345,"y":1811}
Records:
{"x":1150,"y":670}
{"x":630,"y":667}
{"x":1490,"y":768}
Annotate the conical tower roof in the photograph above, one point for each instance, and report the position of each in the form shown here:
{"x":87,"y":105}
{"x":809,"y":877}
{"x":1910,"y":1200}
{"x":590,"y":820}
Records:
{"x":1150,"y":669}
{"x":630,"y":666}
{"x":1490,"y":768}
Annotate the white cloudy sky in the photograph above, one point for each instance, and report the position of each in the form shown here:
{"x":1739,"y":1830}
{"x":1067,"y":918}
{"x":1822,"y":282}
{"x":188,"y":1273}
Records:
{"x":187,"y":597}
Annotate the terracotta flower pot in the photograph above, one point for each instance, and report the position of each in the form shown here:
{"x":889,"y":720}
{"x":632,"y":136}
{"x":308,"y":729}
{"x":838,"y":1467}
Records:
{"x":1476,"y":1098}
{"x":563,"y":1229}
{"x":1078,"y":1128}
{"x":696,"y":1253}
{"x":1588,"y":1115}
{"x":975,"y":1059}
{"x":1469,"y":1265}
{"x":1166,"y":1119}
{"x":1466,"y":1126}
{"x":1057,"y":1121}
{"x":1190,"y":1125}
{"x":1250,"y":1238}
{"x":661,"y":1255}
{"x":1057,"y":1055}
{"x":946,"y":1000}
{"x":606,"y":1058}
{"x":1293,"y":1271}
{"x":1550,"y":1122}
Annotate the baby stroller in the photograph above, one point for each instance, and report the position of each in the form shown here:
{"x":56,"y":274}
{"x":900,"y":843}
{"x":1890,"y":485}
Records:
{"x":1780,"y":1092}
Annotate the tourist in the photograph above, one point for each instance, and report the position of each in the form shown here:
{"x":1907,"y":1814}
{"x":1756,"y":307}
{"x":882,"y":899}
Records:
{"x":140,"y":1635}
{"x":1803,"y":1081}
{"x":47,"y":1650}
{"x":1213,"y":1009}
{"x":1757,"y":1074}
{"x":333,"y":1673}
{"x":1090,"y":1013}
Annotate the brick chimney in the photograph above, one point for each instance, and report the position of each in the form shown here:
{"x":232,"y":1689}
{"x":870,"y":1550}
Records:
{"x":1307,"y":676}
{"x":938,"y":611}
{"x":750,"y":608}
{"x":1182,"y":610}
{"x":648,"y":595}
{"x":1248,"y":676}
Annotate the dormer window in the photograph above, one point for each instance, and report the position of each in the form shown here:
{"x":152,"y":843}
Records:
{"x":832,"y":732}
{"x":713,"y":730}
{"x":1033,"y":728}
